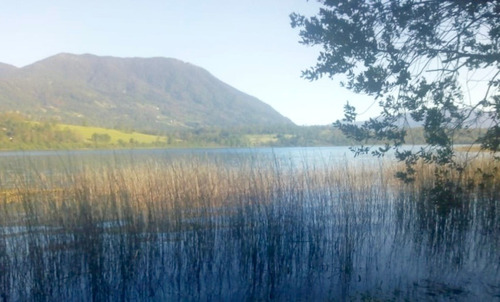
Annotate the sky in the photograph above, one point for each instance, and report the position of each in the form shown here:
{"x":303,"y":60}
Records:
{"x":250,"y":45}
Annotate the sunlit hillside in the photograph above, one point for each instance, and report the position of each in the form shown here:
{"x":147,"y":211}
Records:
{"x":129,"y":93}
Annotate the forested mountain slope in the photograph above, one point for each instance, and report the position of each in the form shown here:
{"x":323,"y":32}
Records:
{"x":138,"y":93}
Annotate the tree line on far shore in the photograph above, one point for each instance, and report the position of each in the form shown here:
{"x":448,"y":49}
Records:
{"x":17,"y":132}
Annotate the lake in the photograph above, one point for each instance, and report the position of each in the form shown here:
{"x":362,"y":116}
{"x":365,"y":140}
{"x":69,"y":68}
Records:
{"x":13,"y":162}
{"x":297,"y":154}
{"x":238,"y":224}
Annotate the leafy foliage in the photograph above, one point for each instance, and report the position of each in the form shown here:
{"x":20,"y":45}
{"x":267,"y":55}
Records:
{"x":18,"y":133}
{"x":411,"y":55}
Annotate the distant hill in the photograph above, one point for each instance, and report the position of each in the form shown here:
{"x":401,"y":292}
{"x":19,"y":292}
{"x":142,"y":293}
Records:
{"x":6,"y":69}
{"x":475,"y":119}
{"x":138,"y":93}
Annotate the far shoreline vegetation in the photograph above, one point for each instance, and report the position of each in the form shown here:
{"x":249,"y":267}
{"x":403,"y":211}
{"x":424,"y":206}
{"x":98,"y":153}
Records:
{"x":18,"y":132}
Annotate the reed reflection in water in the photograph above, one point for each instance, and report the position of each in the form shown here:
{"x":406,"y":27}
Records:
{"x":262,"y":229}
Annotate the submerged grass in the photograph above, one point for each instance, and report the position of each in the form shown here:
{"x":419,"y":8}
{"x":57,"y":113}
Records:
{"x":257,"y":229}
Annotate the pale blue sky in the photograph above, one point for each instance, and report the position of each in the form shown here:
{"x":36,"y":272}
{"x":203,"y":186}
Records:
{"x":247,"y":44}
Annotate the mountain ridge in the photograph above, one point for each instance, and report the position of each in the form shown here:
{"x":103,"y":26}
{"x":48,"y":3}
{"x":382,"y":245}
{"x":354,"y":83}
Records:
{"x":6,"y":69}
{"x":140,"y":93}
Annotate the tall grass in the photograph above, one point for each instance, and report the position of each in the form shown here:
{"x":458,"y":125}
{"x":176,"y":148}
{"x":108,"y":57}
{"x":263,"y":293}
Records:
{"x":256,"y":229}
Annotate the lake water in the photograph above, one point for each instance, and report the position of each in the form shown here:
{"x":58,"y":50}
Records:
{"x":294,"y":154}
{"x":50,"y":162}
{"x":293,"y":241}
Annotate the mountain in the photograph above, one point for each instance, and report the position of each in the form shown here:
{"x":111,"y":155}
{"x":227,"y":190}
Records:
{"x":139,"y":93}
{"x":6,"y":69}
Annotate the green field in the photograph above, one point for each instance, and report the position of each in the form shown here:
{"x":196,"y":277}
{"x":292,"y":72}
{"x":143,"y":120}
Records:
{"x":117,"y":137}
{"x":260,"y":139}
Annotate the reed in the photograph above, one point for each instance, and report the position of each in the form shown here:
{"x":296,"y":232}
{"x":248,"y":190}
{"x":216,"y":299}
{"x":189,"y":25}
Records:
{"x":199,"y":229}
